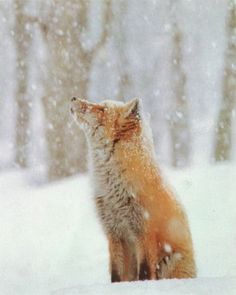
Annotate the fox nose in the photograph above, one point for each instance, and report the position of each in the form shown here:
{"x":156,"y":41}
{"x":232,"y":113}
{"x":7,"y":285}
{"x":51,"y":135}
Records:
{"x":78,"y":105}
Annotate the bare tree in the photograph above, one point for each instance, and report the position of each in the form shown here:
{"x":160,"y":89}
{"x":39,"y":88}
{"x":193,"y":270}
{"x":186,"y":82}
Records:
{"x":121,"y":42}
{"x":223,"y":140}
{"x":70,"y":64}
{"x":179,"y":120}
{"x":22,"y":42}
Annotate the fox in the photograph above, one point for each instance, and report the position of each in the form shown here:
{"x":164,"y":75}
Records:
{"x":146,"y":226}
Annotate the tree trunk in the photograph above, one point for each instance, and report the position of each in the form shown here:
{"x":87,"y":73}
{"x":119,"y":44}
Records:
{"x":69,"y":71}
{"x":22,"y":39}
{"x":223,"y":141}
{"x":179,"y":120}
{"x":124,"y":82}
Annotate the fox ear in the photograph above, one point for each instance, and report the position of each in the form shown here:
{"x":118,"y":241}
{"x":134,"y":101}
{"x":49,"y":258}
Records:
{"x":133,"y":108}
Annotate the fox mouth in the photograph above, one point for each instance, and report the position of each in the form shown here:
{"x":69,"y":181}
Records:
{"x":78,"y":110}
{"x":75,"y":108}
{"x":78,"y":113}
{"x":72,"y":111}
{"x":79,"y":104}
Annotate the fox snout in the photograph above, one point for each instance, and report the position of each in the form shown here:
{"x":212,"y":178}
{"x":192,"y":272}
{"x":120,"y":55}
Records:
{"x":78,"y":105}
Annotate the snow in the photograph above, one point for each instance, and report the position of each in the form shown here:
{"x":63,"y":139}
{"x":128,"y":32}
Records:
{"x":167,"y":248}
{"x":146,"y":29}
{"x":51,"y":241}
{"x":146,"y":214}
{"x":177,"y":287}
{"x":50,"y":237}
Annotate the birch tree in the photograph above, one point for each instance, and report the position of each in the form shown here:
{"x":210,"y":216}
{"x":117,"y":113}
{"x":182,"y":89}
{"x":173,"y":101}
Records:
{"x":67,"y":34}
{"x":223,"y":140}
{"x":179,"y":120}
{"x":124,"y":81}
{"x":22,"y":42}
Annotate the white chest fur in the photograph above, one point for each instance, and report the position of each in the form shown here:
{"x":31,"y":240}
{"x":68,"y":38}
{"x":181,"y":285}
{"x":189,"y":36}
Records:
{"x":120,"y":213}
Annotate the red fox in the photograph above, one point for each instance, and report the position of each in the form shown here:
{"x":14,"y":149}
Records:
{"x":146,"y":227}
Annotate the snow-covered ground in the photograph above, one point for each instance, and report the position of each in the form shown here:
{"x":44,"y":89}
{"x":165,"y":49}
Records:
{"x":198,"y":286}
{"x":51,"y":242}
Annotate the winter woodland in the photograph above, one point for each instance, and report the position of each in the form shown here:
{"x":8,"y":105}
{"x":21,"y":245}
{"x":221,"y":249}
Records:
{"x":179,"y":58}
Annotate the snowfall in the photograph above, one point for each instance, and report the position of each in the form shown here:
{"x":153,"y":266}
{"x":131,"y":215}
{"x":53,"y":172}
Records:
{"x":51,"y":241}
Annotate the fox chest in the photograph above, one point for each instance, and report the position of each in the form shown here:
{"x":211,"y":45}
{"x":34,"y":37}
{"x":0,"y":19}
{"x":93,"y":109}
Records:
{"x":120,"y":215}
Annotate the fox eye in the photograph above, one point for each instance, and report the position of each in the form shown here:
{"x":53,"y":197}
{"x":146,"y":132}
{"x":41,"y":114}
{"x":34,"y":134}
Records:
{"x":101,"y":109}
{"x":83,"y":109}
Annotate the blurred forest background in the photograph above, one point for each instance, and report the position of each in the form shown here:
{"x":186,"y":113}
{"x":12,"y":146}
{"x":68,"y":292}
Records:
{"x":179,"y":56}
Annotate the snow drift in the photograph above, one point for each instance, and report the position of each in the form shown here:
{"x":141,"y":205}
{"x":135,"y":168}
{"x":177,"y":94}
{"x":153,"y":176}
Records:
{"x":51,"y":241}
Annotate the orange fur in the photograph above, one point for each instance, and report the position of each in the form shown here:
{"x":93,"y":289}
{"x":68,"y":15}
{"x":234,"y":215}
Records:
{"x":167,"y":221}
{"x":147,"y":229}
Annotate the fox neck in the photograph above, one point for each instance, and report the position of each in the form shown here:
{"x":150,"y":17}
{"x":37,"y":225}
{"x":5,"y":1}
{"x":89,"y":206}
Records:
{"x":120,"y":166}
{"x":105,"y":171}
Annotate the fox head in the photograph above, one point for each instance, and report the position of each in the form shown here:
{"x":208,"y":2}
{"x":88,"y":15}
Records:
{"x":109,"y":121}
